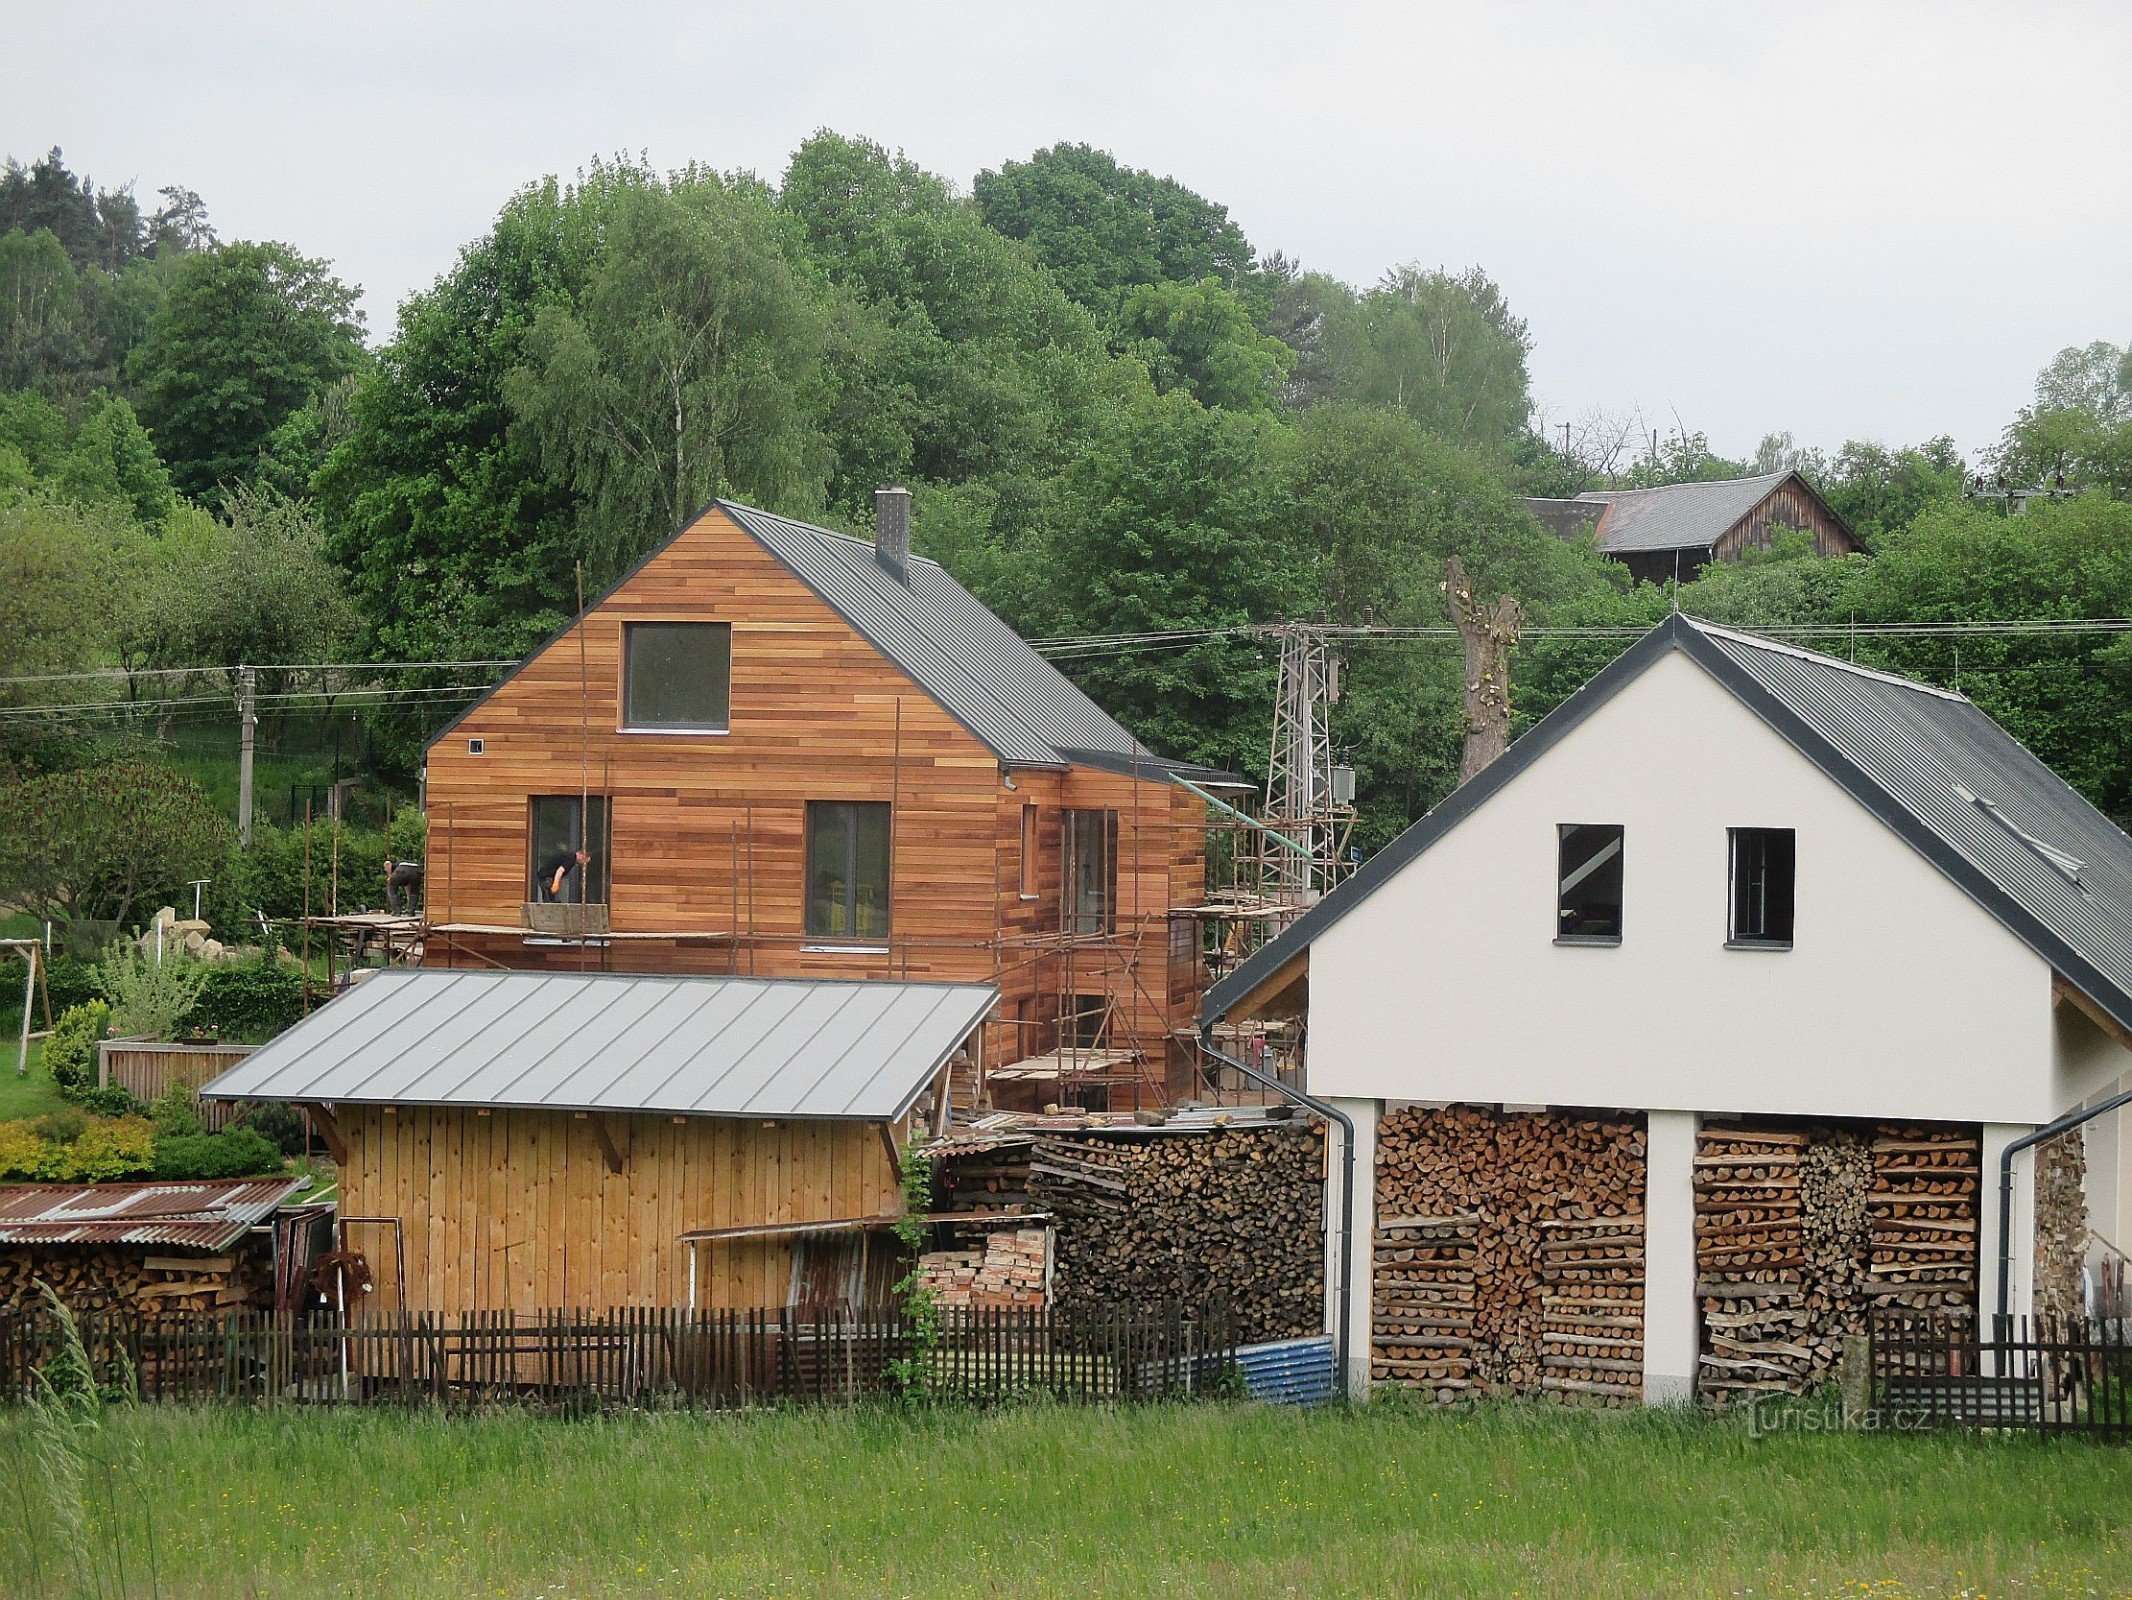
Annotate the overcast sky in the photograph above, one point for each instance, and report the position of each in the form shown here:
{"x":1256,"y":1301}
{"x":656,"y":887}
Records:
{"x":1869,"y":220}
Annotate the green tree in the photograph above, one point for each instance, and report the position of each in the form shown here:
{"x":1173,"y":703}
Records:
{"x":1444,"y":348}
{"x":1103,"y":228}
{"x":1876,"y":490}
{"x":2078,"y":433}
{"x":1199,"y":337}
{"x":256,"y":586}
{"x":689,"y":366}
{"x":113,"y":459}
{"x":86,"y":848}
{"x":247,"y":335}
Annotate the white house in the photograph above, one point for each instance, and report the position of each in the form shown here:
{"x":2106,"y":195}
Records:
{"x":1730,"y":887}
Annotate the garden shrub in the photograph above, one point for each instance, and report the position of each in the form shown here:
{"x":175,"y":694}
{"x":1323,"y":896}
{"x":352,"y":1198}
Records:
{"x":148,"y":997}
{"x":99,"y":1151}
{"x":60,"y":1127}
{"x":109,"y":1101}
{"x":70,"y":1054}
{"x":176,"y":1111}
{"x":237,"y":1153}
{"x":278,"y":1121}
{"x":253,"y":1001}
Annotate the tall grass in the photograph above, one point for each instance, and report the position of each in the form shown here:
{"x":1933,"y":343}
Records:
{"x":1192,"y":1501}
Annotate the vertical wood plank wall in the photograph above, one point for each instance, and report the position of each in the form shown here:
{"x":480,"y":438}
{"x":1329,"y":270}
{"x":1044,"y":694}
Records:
{"x":517,"y":1210}
{"x":817,"y":713}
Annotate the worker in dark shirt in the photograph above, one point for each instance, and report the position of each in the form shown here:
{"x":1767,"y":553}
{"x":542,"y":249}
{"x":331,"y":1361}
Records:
{"x":402,"y":878}
{"x":556,"y":869}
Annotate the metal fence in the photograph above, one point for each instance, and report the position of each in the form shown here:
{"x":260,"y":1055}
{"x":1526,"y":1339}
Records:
{"x":2047,"y":1375}
{"x":640,"y":1357}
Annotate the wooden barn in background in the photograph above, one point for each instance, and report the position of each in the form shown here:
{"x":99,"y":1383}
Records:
{"x":790,"y":752}
{"x":530,"y":1141}
{"x":1677,"y":529}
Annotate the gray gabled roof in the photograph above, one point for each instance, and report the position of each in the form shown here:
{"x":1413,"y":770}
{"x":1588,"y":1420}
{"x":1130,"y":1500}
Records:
{"x":1967,"y":795}
{"x":572,"y":1041}
{"x":950,"y":644}
{"x":1673,"y":516}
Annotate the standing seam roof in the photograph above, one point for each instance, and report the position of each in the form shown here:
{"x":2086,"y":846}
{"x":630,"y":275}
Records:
{"x":1677,"y":516}
{"x":618,"y":1042}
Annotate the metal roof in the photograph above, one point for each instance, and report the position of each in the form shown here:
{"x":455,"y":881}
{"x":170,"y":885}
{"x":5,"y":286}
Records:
{"x":571,"y":1041}
{"x":983,"y":673}
{"x":1967,"y":795}
{"x":1677,"y":516}
{"x":208,"y":1214}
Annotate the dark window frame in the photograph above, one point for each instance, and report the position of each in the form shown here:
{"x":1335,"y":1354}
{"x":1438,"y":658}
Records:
{"x":1579,"y":859}
{"x":631,"y":721}
{"x":1761,"y":888}
{"x":1078,"y":827}
{"x":811,"y":927}
{"x":599,"y":871}
{"x":1031,"y":833}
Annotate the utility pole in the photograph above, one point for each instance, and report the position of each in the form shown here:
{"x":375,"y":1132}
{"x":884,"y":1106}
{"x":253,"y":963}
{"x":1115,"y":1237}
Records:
{"x":1306,"y":795}
{"x":247,"y":726}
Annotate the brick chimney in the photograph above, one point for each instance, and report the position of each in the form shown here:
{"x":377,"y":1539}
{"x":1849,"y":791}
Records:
{"x":892,"y":532}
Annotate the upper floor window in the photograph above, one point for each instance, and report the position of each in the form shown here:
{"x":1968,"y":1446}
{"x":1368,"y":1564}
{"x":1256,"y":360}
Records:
{"x":847,"y":870}
{"x":566,"y":849}
{"x":1764,"y":864}
{"x":677,"y":676}
{"x":1091,"y":842}
{"x":1028,"y":866}
{"x":1588,"y":883}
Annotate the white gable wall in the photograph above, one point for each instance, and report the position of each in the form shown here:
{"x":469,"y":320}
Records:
{"x":1902,"y":998}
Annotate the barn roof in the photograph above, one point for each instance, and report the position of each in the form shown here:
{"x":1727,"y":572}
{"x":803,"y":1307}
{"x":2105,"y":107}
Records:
{"x":1672,"y":516}
{"x":207,"y":1214}
{"x":572,"y":1041}
{"x":1967,"y":795}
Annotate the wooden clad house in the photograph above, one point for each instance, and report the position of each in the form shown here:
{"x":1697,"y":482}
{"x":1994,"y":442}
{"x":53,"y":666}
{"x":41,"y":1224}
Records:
{"x":1675,"y":530}
{"x":530,"y":1141}
{"x":791,"y":752}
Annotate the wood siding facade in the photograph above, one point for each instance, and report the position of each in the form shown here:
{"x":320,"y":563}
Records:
{"x":708,"y":829}
{"x":522,"y":1210}
{"x":1790,"y":505}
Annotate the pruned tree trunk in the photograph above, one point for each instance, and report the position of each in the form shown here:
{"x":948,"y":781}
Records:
{"x":1488,"y":631}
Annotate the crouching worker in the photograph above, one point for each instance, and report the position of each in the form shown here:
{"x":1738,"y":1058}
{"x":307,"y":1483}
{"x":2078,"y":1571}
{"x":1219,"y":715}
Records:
{"x":557,"y":870}
{"x":402,"y":879}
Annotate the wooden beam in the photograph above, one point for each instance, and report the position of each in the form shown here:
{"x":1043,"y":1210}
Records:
{"x":330,"y":1131}
{"x":887,"y":1131}
{"x":2066,"y":992}
{"x":608,"y":1148}
{"x":1285,"y":991}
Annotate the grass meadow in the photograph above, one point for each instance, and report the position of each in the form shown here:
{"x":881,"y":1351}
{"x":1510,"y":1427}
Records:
{"x":1213,"y":1500}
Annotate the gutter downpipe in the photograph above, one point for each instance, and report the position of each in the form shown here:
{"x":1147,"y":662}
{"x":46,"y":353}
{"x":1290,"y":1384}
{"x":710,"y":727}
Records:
{"x":2050,"y":1130}
{"x":1346,"y":1251}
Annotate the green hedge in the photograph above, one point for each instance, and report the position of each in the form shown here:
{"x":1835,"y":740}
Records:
{"x":237,"y":1153}
{"x":252,"y":1002}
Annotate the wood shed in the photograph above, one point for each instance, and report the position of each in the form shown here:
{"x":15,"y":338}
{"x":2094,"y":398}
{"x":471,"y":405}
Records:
{"x":520,"y":1141}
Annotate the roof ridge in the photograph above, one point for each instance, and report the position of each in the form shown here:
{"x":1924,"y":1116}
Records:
{"x":1761,"y":642}
{"x":1602,"y":496}
{"x":817,"y":529}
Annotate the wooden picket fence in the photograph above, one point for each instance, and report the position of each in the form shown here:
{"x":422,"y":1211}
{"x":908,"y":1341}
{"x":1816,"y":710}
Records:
{"x":640,"y":1357}
{"x":2041,"y":1374}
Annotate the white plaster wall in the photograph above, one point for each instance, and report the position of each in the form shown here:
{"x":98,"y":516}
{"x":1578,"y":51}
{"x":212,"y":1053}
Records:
{"x":1901,"y":997}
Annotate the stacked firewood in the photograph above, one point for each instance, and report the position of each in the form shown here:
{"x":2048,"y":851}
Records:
{"x":1010,"y":1267}
{"x":1802,"y":1230}
{"x":102,"y":1278}
{"x":1231,"y":1217}
{"x":1924,"y":1219}
{"x":2061,"y":1225}
{"x":1509,"y":1253}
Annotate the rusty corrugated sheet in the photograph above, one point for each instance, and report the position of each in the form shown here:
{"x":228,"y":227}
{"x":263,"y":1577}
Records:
{"x":207,"y":1214}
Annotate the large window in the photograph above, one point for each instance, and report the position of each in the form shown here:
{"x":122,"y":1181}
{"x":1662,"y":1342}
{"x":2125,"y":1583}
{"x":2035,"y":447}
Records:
{"x":1764,"y":863}
{"x":558,"y":827}
{"x":847,"y":870}
{"x":1588,"y":884}
{"x":1028,"y":867}
{"x":1091,"y":845}
{"x":677,"y":676}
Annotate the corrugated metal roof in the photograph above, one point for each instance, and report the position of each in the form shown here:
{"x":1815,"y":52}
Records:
{"x":1677,"y":516}
{"x":983,"y":673}
{"x":570,"y":1041}
{"x":208,"y":1214}
{"x":1965,"y":793}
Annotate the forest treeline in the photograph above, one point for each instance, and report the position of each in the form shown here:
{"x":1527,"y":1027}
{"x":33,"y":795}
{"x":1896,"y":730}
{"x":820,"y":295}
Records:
{"x":1118,"y":416}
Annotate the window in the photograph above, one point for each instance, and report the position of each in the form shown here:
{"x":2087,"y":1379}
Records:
{"x":1588,"y":885}
{"x":1764,"y":863}
{"x":1028,"y":868}
{"x":678,"y":676}
{"x":1091,"y":877}
{"x":556,"y":830}
{"x":847,"y":870}
{"x":1083,"y":1025}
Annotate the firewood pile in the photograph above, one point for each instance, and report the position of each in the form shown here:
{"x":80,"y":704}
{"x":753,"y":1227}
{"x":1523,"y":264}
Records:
{"x":1799,"y":1231}
{"x":2061,"y":1224}
{"x":1011,"y":1267}
{"x":1231,"y":1216}
{"x":107,"y":1277}
{"x":1509,"y":1254}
